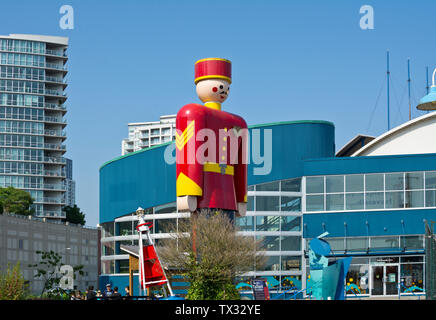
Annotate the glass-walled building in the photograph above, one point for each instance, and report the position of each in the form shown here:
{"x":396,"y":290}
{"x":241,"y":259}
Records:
{"x":274,"y":209}
{"x":32,"y":123}
{"x":374,"y":208}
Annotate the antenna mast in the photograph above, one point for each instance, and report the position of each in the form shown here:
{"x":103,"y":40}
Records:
{"x":387,"y":75}
{"x":408,"y":82}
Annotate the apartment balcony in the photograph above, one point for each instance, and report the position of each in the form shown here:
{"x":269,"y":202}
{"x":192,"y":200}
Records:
{"x":55,"y":133}
{"x":53,"y":187}
{"x":48,"y":200}
{"x":56,"y":120}
{"x":33,"y":77}
{"x":29,"y":172}
{"x":47,"y":65}
{"x":48,"y":52}
{"x":55,"y":160}
{"x":55,"y":66}
{"x":54,"y":106}
{"x":55,"y":93}
{"x":52,"y":146}
{"x":54,"y":173}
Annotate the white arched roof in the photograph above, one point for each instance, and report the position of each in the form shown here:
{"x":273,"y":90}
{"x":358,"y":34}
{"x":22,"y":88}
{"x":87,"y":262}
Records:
{"x":413,"y":137}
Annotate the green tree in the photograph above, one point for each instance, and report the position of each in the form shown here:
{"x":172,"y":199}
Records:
{"x":12,"y":284}
{"x":208,"y":249}
{"x":48,"y":268}
{"x":16,"y":201}
{"x":74,"y":215}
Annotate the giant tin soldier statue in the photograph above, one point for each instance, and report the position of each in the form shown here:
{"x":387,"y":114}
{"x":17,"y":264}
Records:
{"x":211,"y":147}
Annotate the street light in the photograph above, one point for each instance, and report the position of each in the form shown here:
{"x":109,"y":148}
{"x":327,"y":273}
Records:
{"x":429,"y":101}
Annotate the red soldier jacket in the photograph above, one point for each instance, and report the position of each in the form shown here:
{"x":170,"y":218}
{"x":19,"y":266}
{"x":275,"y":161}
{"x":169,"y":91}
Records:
{"x":211,"y":156}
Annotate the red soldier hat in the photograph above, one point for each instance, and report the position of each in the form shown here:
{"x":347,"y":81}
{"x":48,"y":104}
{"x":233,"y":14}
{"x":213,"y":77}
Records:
{"x":213,"y":68}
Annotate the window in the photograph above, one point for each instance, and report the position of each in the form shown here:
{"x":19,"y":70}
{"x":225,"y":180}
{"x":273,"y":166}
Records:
{"x":430,"y":180}
{"x":357,"y":279}
{"x":334,"y":184}
{"x":394,"y":181}
{"x":267,"y":203}
{"x":269,"y":243}
{"x":165,"y":225}
{"x":354,"y":201}
{"x":412,"y":275}
{"x":357,"y":244}
{"x":291,"y":185}
{"x":336,"y":244}
{"x":250,"y":203}
{"x":291,"y":263}
{"x":414,"y":199}
{"x":123,"y":266}
{"x":315,"y":184}
{"x":395,"y":199}
{"x":354,"y":183}
{"x":375,"y":200}
{"x":414,"y":180}
{"x":334,"y":202}
{"x":314,"y":203}
{"x":412,"y":242}
{"x":245,"y":223}
{"x":290,"y":223}
{"x":290,"y":204}
{"x":272,"y":186}
{"x":384,"y":242}
{"x":291,"y":243}
{"x":267,"y":223}
{"x":374,"y":182}
{"x":272,"y":264}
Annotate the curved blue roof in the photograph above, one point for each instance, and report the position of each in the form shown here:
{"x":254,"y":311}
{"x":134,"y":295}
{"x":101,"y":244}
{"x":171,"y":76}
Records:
{"x":145,"y":179}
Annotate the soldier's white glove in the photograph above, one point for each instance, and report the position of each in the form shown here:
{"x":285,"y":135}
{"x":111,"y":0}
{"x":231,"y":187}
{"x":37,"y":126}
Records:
{"x":187,"y":203}
{"x":242,"y":209}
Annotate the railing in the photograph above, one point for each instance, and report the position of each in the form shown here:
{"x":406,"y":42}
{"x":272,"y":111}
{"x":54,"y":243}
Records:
{"x":54,"y":160}
{"x":57,"y":53}
{"x":54,"y":146}
{"x":53,"y":200}
{"x":53,"y":106}
{"x":295,"y":293}
{"x":47,"y":65}
{"x":49,"y":146}
{"x":57,"y":133}
{"x":13,"y":75}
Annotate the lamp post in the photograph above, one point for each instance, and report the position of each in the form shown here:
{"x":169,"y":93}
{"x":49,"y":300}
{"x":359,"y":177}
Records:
{"x":428,"y":102}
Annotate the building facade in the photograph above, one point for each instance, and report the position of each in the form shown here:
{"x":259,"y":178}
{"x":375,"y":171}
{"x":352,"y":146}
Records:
{"x":144,"y":179}
{"x":374,"y":207}
{"x":32,"y":123}
{"x":70,"y":184}
{"x":21,"y":237}
{"x":144,"y":135}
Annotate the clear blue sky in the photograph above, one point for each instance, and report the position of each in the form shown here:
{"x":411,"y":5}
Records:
{"x":133,"y":61}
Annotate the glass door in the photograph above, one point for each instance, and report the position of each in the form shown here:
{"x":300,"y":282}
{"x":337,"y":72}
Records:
{"x":384,"y":280}
{"x":377,"y":280}
{"x":391,"y":280}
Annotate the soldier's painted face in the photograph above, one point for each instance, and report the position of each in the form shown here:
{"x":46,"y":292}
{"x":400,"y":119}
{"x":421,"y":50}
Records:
{"x":215,"y":90}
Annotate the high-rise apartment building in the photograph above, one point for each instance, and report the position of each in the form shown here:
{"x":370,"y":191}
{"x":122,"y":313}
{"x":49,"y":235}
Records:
{"x":32,"y":123}
{"x":143,"y":135}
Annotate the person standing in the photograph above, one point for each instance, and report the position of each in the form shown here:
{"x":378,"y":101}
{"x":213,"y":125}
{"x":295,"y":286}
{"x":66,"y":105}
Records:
{"x":108,"y":292}
{"x":115,"y":295}
{"x":127,"y":295}
{"x":91,"y":295}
